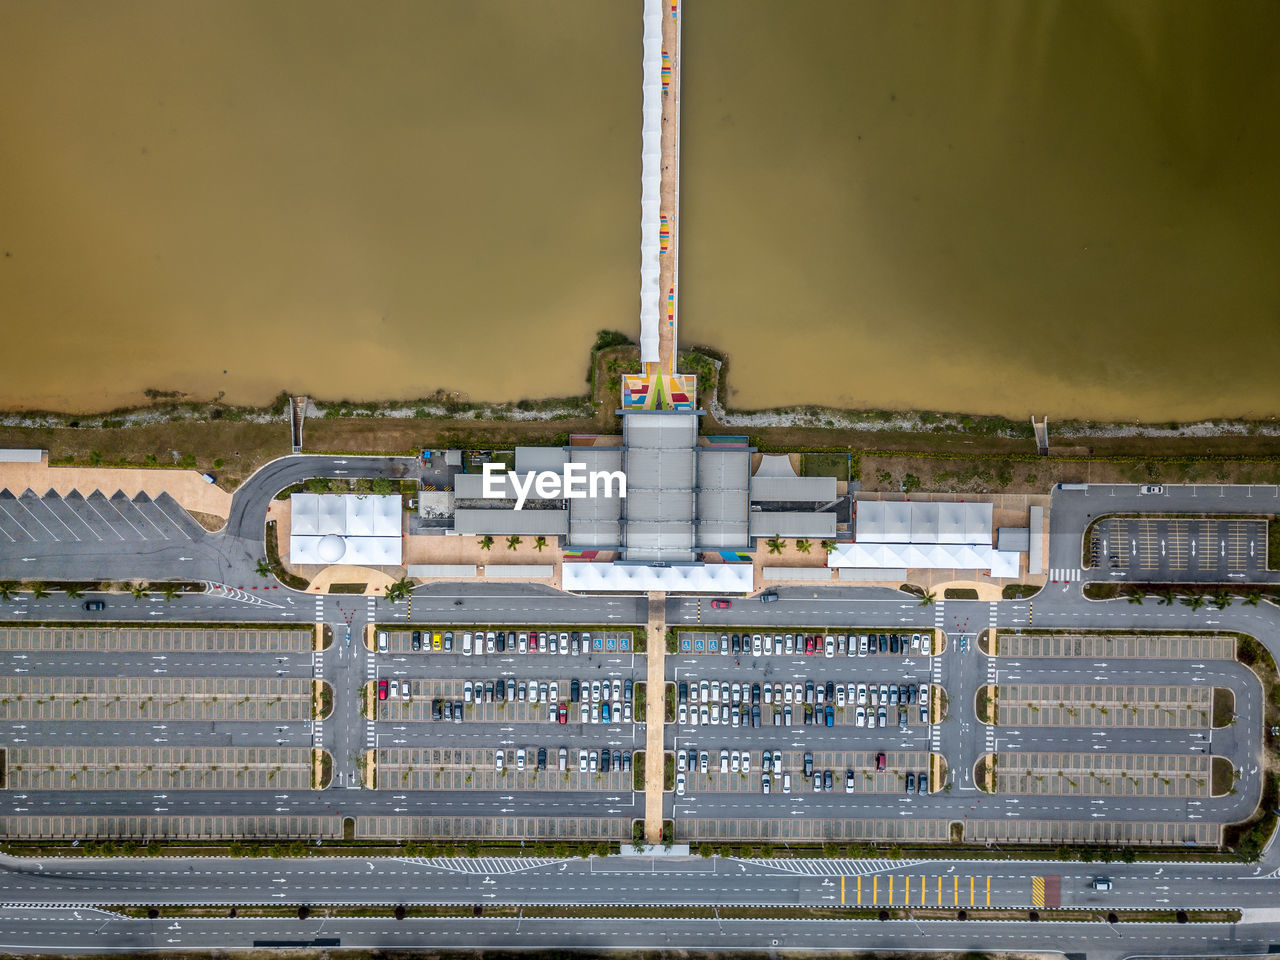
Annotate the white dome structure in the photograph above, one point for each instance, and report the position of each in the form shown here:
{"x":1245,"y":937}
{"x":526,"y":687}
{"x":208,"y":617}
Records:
{"x":331,"y":548}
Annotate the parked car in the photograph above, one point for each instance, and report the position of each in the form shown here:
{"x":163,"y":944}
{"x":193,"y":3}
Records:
{"x":382,"y":689}
{"x":499,"y":759}
{"x":395,"y":690}
{"x":416,"y":641}
{"x":582,"y":761}
{"x":922,"y":784}
{"x":880,"y":763}
{"x":382,"y":641}
{"x":680,"y":780}
{"x":1151,"y":488}
{"x":911,"y":783}
{"x":564,"y":759}
{"x":769,"y":597}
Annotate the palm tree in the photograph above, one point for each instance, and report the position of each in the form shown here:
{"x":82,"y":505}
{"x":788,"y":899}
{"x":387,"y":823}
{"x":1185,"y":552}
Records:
{"x":1136,"y":598}
{"x":170,"y":590}
{"x":486,"y":542}
{"x":139,"y":590}
{"x":398,"y":590}
{"x":1252,"y":598}
{"x":803,"y":545}
{"x":775,"y":545}
{"x":75,"y":591}
{"x":513,"y":541}
{"x":539,"y":544}
{"x":829,"y":545}
{"x":1167,"y":598}
{"x":38,"y":590}
{"x":1195,"y":601}
{"x":1221,"y":599}
{"x":928,"y":598}
{"x":263,"y":568}
{"x":7,"y":589}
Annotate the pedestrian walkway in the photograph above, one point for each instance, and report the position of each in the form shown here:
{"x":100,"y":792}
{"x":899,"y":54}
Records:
{"x":1064,"y":574}
{"x":655,"y":716}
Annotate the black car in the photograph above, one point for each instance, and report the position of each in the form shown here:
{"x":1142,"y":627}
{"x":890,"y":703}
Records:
{"x":417,"y":640}
{"x":827,"y":780}
{"x":626,"y":761}
{"x":755,"y":714}
{"x":604,"y":761}
{"x":808,"y":691}
{"x":808,"y":764}
{"x":437,"y":710}
{"x":830,"y":691}
{"x":884,"y":643}
{"x":447,"y":710}
{"x":500,"y":642}
{"x":755,"y":693}
{"x":911,"y":693}
{"x":457,"y":711}
{"x":575,"y":637}
{"x":500,"y":690}
{"x":628,"y":689}
{"x":575,"y":691}
{"x":95,"y":605}
{"x":682,"y":692}
{"x":893,"y":643}
{"x":542,"y":758}
{"x":617,"y":759}
{"x":735,"y":643}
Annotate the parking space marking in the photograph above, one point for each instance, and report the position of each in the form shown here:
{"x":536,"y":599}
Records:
{"x":176,"y":525}
{"x":116,"y":507}
{"x":1148,"y":546}
{"x":44,"y":502}
{"x":1178,"y":537}
{"x":102,"y":516}
{"x":71,"y":501}
{"x":1208,"y":552}
{"x":17,"y":522}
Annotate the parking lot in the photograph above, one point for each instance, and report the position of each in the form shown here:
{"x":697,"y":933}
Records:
{"x":1105,"y":705}
{"x":1103,"y":645}
{"x":442,"y":768}
{"x":72,"y":519}
{"x":159,"y":768}
{"x":1178,"y":549}
{"x":154,"y":698}
{"x":850,"y":771}
{"x":1104,"y":774}
{"x":745,"y":642}
{"x":182,"y":639}
{"x":478,"y":641}
{"x":532,"y":701}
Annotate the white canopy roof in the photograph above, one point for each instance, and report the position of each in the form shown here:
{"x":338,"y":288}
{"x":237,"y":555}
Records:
{"x":910,"y":521}
{"x":639,"y":578}
{"x":344,"y":528}
{"x":955,"y":556}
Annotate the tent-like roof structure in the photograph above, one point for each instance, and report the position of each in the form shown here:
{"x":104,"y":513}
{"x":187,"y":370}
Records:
{"x":952,"y":556}
{"x":910,"y":521}
{"x":356,"y":529}
{"x":640,"y":578}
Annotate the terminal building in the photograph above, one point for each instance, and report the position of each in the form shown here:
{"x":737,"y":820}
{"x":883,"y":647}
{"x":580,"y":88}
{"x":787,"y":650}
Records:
{"x":689,"y":500}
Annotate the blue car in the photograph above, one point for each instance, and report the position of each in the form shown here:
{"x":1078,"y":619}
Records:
{"x":831,"y":715}
{"x":604,"y":712}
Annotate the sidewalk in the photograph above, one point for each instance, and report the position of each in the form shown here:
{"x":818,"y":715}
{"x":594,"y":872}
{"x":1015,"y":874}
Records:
{"x":655,"y":716}
{"x":188,"y":487}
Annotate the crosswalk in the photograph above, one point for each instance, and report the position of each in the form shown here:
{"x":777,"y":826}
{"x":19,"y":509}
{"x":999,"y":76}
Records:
{"x":482,"y":866}
{"x":371,"y":608}
{"x":935,"y":676}
{"x":317,"y":671}
{"x":939,"y":620}
{"x":320,"y":609}
{"x":1064,"y":574}
{"x":832,"y":868}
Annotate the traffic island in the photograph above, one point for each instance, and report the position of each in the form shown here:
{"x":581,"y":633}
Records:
{"x":985,"y":704}
{"x":1224,"y":707}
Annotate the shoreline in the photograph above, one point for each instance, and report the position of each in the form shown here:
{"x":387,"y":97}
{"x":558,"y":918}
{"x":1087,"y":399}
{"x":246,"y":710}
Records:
{"x":708,"y":363}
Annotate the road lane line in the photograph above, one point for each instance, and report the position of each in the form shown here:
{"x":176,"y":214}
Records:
{"x":842,"y":891}
{"x":988,"y":891}
{"x":859,"y":889}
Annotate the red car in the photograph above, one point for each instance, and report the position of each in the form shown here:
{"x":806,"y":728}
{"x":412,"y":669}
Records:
{"x":533,"y":642}
{"x":880,"y":762}
{"x":564,"y":713}
{"x":722,"y":604}
{"x":382,"y":689}
{"x":809,"y":644}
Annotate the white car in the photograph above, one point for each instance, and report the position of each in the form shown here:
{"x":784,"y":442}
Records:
{"x":703,"y":715}
{"x":582,"y":758}
{"x":522,"y":645}
{"x":595,"y":690}
{"x":626,"y":712}
{"x":925,"y":644}
{"x":404,"y":690}
{"x":924,"y":694}
{"x":681,"y":761}
{"x":840,"y":695}
{"x":553,"y":694}
{"x":466,"y":644}
{"x":768,"y":693}
{"x":584,"y":713}
{"x":499,"y":759}
{"x":395,"y":690}
{"x":863,"y":643}
{"x":682,"y":714}
{"x":733,"y":762}
{"x":757,"y":645}
{"x":704,"y":691}
{"x":679,"y":784}
{"x":786,"y":693}
{"x":724,"y":761}
{"x":715,"y":691}
{"x":777,"y":761}
{"x":768,"y":644}
{"x":382,"y":641}
{"x":595,"y":713}
{"x":746,"y":761}
{"x":533,"y":692}
{"x":862,"y":694}
{"x":915,"y":641}
{"x":789,"y":643}
{"x":715,"y":715}
{"x":488,"y":642}
{"x":829,"y":647}
{"x":860,"y":717}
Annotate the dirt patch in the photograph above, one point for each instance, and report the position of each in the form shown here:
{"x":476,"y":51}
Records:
{"x":985,"y":703}
{"x":209,"y":521}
